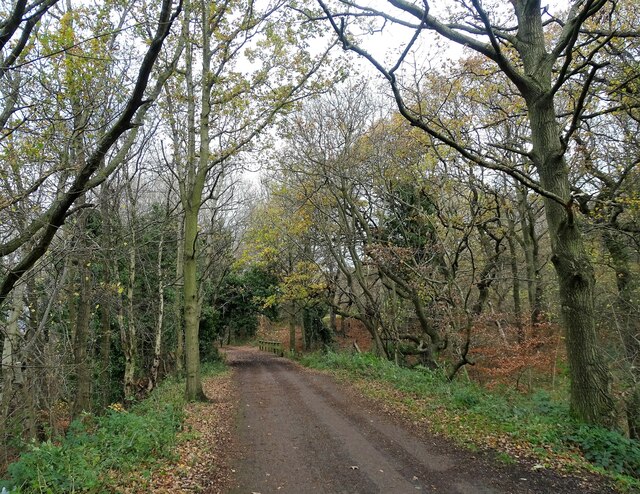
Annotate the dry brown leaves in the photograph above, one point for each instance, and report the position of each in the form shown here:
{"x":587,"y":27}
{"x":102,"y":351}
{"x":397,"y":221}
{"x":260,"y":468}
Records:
{"x":202,"y":463}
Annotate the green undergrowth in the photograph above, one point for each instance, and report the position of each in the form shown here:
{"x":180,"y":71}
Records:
{"x":536,"y":426}
{"x":98,"y":451}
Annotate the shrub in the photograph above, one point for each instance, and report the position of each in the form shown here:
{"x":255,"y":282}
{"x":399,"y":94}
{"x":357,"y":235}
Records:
{"x":127,"y":439}
{"x":49,"y":467}
{"x":543,"y":404}
{"x":608,"y":449}
{"x":97,"y":448}
{"x":73,"y":464}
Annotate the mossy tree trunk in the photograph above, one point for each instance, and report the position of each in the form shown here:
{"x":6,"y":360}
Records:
{"x":194,"y":390}
{"x":191,"y":190}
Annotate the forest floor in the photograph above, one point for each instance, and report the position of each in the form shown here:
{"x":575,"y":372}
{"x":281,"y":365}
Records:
{"x":273,"y":426}
{"x":202,"y":458}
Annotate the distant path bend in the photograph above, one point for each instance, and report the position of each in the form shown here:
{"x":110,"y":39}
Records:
{"x":301,"y":432}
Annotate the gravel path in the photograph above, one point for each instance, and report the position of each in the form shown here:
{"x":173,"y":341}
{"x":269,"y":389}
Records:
{"x":300,"y":431}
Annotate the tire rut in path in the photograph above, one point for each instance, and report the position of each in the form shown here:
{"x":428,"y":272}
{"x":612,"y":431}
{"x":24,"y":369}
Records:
{"x":300,"y":432}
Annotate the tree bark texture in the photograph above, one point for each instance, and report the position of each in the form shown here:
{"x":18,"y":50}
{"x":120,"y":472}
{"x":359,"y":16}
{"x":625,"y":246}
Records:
{"x":590,"y":379}
{"x":178,"y":304}
{"x":12,"y":378}
{"x":628,"y":323}
{"x":130,"y":344}
{"x":157,"y":345}
{"x":194,"y":390}
{"x":81,"y":358}
{"x":590,"y":394}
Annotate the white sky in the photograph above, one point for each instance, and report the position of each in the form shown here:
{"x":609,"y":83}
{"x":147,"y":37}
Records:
{"x":430,"y":52}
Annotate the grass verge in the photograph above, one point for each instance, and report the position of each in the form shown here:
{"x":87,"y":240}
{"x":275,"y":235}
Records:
{"x":99,"y":451}
{"x":536,"y":427}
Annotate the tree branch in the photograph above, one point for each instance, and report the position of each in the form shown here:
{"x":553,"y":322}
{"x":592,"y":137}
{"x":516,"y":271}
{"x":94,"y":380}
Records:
{"x":54,"y":218}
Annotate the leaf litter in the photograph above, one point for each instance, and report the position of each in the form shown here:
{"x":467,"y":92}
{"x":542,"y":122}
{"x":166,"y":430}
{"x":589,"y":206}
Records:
{"x":202,"y":457}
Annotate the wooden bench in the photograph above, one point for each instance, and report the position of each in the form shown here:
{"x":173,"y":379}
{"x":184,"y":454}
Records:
{"x":271,"y":346}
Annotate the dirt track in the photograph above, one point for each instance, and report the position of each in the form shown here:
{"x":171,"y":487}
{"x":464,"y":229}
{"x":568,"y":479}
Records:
{"x":299,"y":431}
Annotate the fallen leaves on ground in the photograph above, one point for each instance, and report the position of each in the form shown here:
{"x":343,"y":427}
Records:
{"x":201,"y":464}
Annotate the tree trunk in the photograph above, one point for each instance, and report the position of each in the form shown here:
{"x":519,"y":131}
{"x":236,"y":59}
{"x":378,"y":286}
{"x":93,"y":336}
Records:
{"x":488,"y":272}
{"x":194,"y":390}
{"x":305,"y":329}
{"x":105,"y":350}
{"x":129,"y":331}
{"x":106,"y":303}
{"x":590,"y":391}
{"x":530,"y":246}
{"x":527,"y":248}
{"x":627,"y":315}
{"x":30,"y":361}
{"x":334,"y":298}
{"x":11,"y":366}
{"x":292,"y":328}
{"x":515,"y":276}
{"x":590,"y":394}
{"x":81,"y":342}
{"x":408,"y":291}
{"x":178,"y":305}
{"x":198,"y":167}
{"x":157,"y":346}
{"x":379,"y":348}
{"x":29,"y":426}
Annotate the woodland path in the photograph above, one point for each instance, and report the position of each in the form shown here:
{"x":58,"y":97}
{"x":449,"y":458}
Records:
{"x":300,"y":431}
